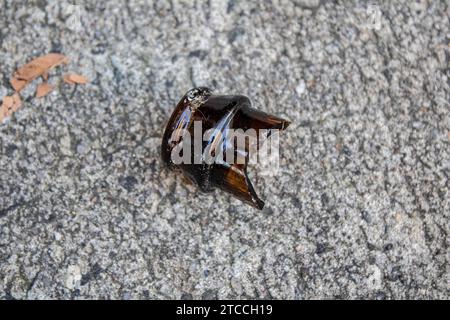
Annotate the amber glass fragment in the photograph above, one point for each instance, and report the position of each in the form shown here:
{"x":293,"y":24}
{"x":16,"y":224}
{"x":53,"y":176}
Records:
{"x":217,"y":114}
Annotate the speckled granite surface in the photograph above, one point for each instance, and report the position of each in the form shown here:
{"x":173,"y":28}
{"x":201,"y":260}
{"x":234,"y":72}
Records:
{"x":360,"y":208}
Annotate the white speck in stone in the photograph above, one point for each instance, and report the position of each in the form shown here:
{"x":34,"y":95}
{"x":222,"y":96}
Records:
{"x":301,"y":88}
{"x":73,"y":276}
{"x":374,"y":280}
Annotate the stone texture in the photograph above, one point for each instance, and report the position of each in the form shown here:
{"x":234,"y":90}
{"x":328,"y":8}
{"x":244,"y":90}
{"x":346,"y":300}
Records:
{"x":360,"y":208}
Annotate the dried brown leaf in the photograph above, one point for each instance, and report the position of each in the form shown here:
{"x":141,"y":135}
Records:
{"x":67,"y":79}
{"x":17,"y":102}
{"x":43,"y":89}
{"x":74,"y":78}
{"x":9,"y":105}
{"x":18,"y":84}
{"x":8,"y":102}
{"x":39,"y":66}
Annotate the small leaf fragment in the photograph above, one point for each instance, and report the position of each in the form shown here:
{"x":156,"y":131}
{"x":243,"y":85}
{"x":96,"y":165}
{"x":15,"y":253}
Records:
{"x":18,"y":84}
{"x":10,"y":104}
{"x":74,"y":78}
{"x":39,"y":66}
{"x":35,"y":68}
{"x":43,"y":89}
{"x":17,"y":102}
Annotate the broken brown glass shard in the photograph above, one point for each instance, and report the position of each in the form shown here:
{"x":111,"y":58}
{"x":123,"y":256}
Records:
{"x":197,"y":141}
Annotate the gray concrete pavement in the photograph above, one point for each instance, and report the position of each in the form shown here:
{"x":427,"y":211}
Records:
{"x":360,"y":208}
